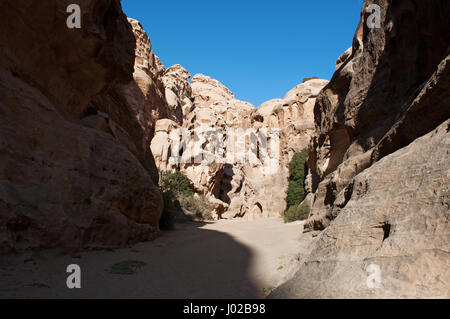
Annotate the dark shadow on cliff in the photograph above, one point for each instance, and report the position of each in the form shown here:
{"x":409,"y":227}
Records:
{"x":130,"y":131}
{"x":387,"y":119}
{"x":189,"y":262}
{"x":225,"y":184}
{"x":409,"y":59}
{"x":401,"y":66}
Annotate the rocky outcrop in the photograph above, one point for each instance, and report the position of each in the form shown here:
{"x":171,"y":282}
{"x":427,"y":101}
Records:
{"x":395,"y":223}
{"x":379,"y":163}
{"x":36,"y":43}
{"x":216,"y":126}
{"x":216,"y":109}
{"x":156,"y":83}
{"x":293,"y":115}
{"x":178,"y":92}
{"x":70,"y":175}
{"x":390,"y":88}
{"x":290,"y":121}
{"x":134,"y":107}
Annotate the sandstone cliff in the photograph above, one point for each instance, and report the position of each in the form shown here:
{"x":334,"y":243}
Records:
{"x":271,"y":134}
{"x":380,"y":190}
{"x":70,"y":171}
{"x":389,"y":89}
{"x":395,"y":219}
{"x":134,"y":106}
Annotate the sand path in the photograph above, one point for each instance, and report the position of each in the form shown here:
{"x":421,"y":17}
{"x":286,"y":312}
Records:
{"x":225,"y":259}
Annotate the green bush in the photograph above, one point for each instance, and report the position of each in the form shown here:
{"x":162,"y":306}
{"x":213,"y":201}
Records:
{"x":294,"y":213}
{"x":179,"y":201}
{"x":199,"y":206}
{"x":297,"y":173}
{"x":176,"y":183}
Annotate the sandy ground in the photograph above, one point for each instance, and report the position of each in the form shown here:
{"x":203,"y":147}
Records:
{"x":225,"y":259}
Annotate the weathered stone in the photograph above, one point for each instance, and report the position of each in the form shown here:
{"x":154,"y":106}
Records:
{"x":69,"y":173}
{"x":389,"y":89}
{"x":396,"y":218}
{"x":246,"y":189}
{"x":381,"y":191}
{"x":36,"y":43}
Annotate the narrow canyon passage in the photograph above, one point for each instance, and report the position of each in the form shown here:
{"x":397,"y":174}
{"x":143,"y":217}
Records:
{"x":225,"y":259}
{"x":339,"y":118}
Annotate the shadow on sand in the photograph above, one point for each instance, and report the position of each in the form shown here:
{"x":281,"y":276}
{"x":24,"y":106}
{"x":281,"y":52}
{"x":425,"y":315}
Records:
{"x":189,"y":262}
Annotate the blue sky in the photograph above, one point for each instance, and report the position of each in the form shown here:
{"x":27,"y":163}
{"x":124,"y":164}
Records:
{"x":258,"y":49}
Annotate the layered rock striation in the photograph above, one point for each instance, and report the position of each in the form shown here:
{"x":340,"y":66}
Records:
{"x":72,"y":164}
{"x":379,"y":163}
{"x":390,"y":88}
{"x":234,"y":153}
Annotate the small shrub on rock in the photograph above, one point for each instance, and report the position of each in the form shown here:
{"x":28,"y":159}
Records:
{"x":176,"y":183}
{"x":181,"y":201}
{"x":197,"y":206}
{"x":295,"y":213}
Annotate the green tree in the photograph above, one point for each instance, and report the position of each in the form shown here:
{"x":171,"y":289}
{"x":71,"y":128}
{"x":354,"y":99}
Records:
{"x":179,"y":201}
{"x":176,"y":183}
{"x":297,"y":173}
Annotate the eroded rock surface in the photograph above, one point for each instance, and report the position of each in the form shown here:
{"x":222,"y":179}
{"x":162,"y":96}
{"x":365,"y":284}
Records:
{"x":70,"y":175}
{"x":390,"y":88}
{"x":379,"y":162}
{"x":396,"y":219}
{"x":252,"y":185}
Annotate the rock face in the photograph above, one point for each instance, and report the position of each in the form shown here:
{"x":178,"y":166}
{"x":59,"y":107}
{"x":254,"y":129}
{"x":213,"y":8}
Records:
{"x":70,"y":175}
{"x":238,"y":186}
{"x":154,"y":80}
{"x":216,"y":109}
{"x":294,"y":116}
{"x":390,"y":88}
{"x":134,"y":107}
{"x":37,"y":56}
{"x":395,"y":220}
{"x":379,"y":163}
{"x":178,"y":92}
{"x":291,"y":118}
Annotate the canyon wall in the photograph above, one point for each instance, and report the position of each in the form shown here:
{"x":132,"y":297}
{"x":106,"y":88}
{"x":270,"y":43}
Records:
{"x":75,"y":171}
{"x":242,"y":164}
{"x":80,"y":109}
{"x":390,"y":88}
{"x":379,"y":163}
